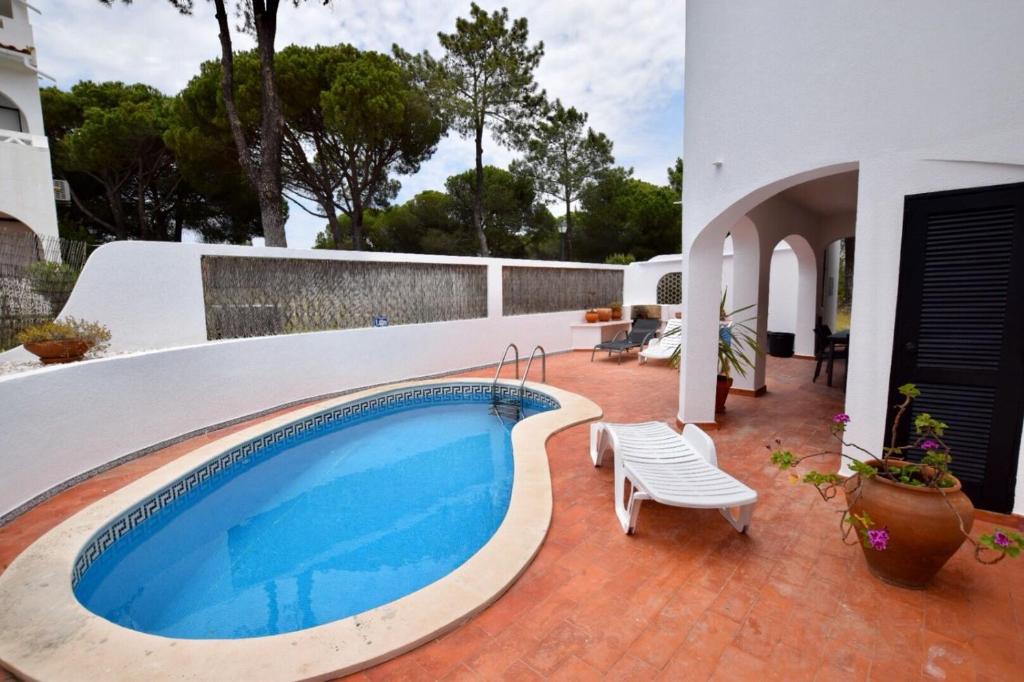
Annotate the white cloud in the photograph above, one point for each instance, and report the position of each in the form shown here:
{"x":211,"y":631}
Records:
{"x":622,"y":62}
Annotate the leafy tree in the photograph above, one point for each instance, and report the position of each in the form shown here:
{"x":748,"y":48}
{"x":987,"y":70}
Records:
{"x":261,"y":160}
{"x":563,"y":158}
{"x":485,"y":81}
{"x":510,"y":213}
{"x":675,"y":177}
{"x":352,"y":119}
{"x":621,"y":214}
{"x":109,"y":142}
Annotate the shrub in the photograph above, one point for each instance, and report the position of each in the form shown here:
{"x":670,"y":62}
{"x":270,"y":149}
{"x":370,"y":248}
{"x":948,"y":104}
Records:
{"x":69,"y":329}
{"x":53,"y":281}
{"x":620,"y":259}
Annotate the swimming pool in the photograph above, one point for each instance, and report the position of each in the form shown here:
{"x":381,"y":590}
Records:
{"x":324,"y":524}
{"x":47,"y":633}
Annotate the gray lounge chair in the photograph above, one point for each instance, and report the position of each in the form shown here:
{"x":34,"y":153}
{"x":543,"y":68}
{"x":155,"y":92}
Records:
{"x":643,"y":331}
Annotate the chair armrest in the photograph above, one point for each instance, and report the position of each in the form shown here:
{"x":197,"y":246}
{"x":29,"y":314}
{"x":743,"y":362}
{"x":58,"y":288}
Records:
{"x":653,"y":336}
{"x":623,"y":333}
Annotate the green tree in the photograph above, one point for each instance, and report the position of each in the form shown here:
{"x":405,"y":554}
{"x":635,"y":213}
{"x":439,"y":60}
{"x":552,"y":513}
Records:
{"x":675,"y":177}
{"x":512,"y":218}
{"x":485,"y":81}
{"x":260,"y":159}
{"x":564,"y":157}
{"x":352,"y":120}
{"x":624,"y":215}
{"x":109,"y":142}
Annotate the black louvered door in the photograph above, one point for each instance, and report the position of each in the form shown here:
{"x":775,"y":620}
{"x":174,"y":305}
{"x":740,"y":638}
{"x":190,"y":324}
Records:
{"x":959,"y":331}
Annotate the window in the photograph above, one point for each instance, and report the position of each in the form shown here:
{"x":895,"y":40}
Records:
{"x":10,"y":118}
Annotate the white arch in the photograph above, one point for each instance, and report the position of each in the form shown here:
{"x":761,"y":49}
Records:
{"x":702,"y":274}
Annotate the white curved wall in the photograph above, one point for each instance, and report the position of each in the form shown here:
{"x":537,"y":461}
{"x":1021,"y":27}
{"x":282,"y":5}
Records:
{"x":62,"y":421}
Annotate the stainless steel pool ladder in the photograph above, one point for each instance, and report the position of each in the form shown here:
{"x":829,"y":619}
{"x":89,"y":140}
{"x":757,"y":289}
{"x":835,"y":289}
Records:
{"x":505,"y":409}
{"x":543,"y":370}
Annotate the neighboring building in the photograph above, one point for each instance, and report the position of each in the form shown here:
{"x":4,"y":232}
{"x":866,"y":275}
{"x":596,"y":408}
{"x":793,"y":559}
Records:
{"x":26,"y":180}
{"x":901,"y":124}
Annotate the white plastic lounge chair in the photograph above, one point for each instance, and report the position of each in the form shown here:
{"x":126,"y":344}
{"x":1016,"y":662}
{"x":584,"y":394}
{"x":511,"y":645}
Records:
{"x":673,"y":469}
{"x":665,"y":345}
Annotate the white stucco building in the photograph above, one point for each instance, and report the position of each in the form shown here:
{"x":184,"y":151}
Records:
{"x":26,"y":181}
{"x":901,"y":124}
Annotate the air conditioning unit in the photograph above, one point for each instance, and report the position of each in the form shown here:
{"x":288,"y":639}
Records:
{"x":62,"y":191}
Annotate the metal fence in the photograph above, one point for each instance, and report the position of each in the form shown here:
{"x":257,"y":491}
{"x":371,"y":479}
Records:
{"x":527,"y":290}
{"x":247,"y":296}
{"x":37,"y":275}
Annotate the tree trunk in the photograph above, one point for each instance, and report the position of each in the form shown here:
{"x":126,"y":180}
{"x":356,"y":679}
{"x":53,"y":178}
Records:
{"x":265,"y":176}
{"x":335,"y":226}
{"x":357,"y":222}
{"x":568,"y":227}
{"x":478,"y":192}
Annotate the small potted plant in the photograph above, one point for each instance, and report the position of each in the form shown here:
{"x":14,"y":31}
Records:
{"x":735,"y":339}
{"x":64,"y":340}
{"x":908,"y":517}
{"x":592,"y":315}
{"x":616,"y":307}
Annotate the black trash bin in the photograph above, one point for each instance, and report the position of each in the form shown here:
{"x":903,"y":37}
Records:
{"x":780,"y":344}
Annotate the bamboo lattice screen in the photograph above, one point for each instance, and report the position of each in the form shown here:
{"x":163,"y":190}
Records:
{"x":266,"y":296}
{"x":528,"y":290}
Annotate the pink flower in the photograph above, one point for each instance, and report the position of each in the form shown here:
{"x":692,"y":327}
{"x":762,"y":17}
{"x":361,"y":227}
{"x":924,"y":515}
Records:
{"x":841,"y":418}
{"x":879,"y":539}
{"x":930,"y":445}
{"x":1001,"y":539}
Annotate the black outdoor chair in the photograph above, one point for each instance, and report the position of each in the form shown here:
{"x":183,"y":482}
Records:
{"x":821,"y":351}
{"x":643,"y":331}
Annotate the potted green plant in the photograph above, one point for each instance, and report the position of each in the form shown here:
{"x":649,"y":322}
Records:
{"x":736,"y":340}
{"x":64,"y":340}
{"x":909,"y":517}
{"x":616,"y":307}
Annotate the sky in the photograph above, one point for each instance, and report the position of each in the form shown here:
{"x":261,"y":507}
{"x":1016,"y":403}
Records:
{"x":621,"y":62}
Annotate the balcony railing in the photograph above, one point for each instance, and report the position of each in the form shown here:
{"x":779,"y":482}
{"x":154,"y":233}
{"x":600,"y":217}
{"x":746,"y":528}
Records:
{"x":23,"y":139}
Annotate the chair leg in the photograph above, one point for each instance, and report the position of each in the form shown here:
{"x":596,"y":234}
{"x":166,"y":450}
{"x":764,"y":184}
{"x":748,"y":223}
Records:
{"x":592,"y":353}
{"x":817,"y":370}
{"x":741,"y":520}
{"x":598,"y":442}
{"x":626,"y":511}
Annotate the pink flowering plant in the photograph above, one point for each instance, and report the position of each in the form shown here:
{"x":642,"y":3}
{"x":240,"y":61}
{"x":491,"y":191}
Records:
{"x":932,"y":471}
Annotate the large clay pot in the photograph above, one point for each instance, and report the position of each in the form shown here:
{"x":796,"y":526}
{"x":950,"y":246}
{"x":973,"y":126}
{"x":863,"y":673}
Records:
{"x":616,"y":313}
{"x":604,"y":314}
{"x":54,"y":352}
{"x":923,"y":531}
{"x":722,"y":392}
{"x":592,"y":316}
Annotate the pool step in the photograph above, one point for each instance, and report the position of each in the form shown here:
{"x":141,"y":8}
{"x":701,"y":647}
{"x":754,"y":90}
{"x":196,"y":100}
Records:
{"x":506,"y":410}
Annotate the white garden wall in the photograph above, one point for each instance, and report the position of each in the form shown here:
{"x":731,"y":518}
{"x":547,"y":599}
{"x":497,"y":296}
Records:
{"x":60,"y":422}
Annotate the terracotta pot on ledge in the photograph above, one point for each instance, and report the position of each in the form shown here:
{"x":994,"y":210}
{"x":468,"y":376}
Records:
{"x":592,"y":316}
{"x":616,"y":313}
{"x":923,"y":530}
{"x":55,"y":352}
{"x":604,"y":314}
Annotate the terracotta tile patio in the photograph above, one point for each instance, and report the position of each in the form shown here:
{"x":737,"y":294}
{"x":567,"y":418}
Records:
{"x":688,"y":598}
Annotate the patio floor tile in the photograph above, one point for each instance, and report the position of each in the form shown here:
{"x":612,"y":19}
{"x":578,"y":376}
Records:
{"x":687,"y":598}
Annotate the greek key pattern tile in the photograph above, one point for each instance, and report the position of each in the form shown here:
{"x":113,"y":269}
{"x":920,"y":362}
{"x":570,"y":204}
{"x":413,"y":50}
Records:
{"x":248,"y":453}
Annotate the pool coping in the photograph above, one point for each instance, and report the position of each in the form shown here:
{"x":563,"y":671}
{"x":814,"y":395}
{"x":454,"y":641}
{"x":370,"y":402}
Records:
{"x":47,"y":634}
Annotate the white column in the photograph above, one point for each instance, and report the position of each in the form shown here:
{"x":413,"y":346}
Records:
{"x":750,"y":280}
{"x":702,"y":290}
{"x":808,"y":288}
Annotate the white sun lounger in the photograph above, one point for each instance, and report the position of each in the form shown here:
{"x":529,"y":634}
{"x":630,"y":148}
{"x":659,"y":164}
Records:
{"x":665,"y":345}
{"x":662,"y":465}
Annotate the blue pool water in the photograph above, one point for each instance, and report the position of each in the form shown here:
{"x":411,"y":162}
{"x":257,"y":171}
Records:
{"x":313,"y":531}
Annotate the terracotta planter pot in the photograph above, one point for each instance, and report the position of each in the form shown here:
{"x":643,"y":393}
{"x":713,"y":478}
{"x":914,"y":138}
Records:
{"x":54,"y":352}
{"x":616,"y":313}
{"x":592,"y":316}
{"x":722,"y":392}
{"x":604,"y":314}
{"x":923,"y":531}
